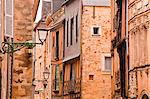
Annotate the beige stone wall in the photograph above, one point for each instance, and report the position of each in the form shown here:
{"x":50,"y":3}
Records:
{"x":94,"y":48}
{"x":139,"y":48}
{"x":22,"y":68}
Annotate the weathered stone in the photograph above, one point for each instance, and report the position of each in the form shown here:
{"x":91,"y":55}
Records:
{"x":94,"y":48}
{"x":22,"y":72}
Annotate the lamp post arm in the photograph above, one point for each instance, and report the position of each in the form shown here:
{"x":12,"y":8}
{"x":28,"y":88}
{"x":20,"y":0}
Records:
{"x":10,"y":47}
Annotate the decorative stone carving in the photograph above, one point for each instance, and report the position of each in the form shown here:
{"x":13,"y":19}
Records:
{"x":132,"y":85}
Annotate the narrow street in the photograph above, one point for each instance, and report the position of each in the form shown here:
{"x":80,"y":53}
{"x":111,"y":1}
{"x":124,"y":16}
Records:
{"x":74,"y":49}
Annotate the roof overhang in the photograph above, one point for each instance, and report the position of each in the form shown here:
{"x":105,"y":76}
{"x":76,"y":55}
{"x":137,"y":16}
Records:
{"x":35,"y":8}
{"x":66,"y":2}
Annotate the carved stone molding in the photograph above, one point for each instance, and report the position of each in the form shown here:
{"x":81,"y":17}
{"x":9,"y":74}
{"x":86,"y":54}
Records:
{"x":133,"y":85}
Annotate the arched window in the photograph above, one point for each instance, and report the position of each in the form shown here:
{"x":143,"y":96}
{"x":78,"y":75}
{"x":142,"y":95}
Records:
{"x":145,"y":96}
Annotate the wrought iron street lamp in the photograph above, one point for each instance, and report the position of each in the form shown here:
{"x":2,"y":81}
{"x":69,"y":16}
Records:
{"x":46,"y":74}
{"x":42,"y":34}
{"x":11,"y":47}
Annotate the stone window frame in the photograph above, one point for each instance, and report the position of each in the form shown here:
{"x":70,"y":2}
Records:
{"x":104,"y":71}
{"x":100,"y":30}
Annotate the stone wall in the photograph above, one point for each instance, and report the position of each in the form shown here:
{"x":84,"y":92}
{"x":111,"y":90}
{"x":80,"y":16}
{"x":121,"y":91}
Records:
{"x":139,"y":48}
{"x":96,"y":83}
{"x":22,"y":68}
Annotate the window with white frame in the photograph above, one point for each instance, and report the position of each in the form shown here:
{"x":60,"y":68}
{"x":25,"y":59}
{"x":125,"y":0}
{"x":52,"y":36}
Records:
{"x":96,"y":30}
{"x":106,"y":62}
{"x":107,"y":66}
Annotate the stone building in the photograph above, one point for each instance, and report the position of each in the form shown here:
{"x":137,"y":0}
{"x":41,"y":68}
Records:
{"x":22,"y":67}
{"x":57,"y":48}
{"x":16,"y":26}
{"x":6,"y":59}
{"x":139,"y":49}
{"x":41,"y":52}
{"x":95,"y":49}
{"x":130,"y":49}
{"x":79,"y":41}
{"x":71,"y":61}
{"x":119,"y":50}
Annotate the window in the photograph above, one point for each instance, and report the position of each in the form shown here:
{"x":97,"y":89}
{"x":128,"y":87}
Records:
{"x":96,"y":30}
{"x":71,"y":31}
{"x":91,"y":77}
{"x":9,"y":18}
{"x":107,"y":64}
{"x":72,"y":72}
{"x":57,"y":44}
{"x":67,"y":33}
{"x":64,"y":38}
{"x":57,"y":77}
{"x":76,"y":28}
{"x":53,"y":41}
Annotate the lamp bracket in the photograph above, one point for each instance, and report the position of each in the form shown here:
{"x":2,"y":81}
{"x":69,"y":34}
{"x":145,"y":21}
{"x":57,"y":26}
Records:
{"x":10,"y":47}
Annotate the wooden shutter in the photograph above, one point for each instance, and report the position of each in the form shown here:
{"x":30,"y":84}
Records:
{"x":9,"y":18}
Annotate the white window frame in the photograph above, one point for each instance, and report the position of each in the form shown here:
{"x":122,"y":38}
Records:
{"x":103,"y":63}
{"x":99,"y":32}
{"x":12,"y":19}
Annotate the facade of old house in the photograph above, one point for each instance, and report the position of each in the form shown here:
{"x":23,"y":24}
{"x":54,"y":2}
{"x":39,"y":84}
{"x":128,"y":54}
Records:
{"x":72,"y":67}
{"x":6,"y":59}
{"x":41,"y":62}
{"x":57,"y":45}
{"x":22,"y":66}
{"x":139,"y":49}
{"x":130,"y":49}
{"x":95,"y":49}
{"x":41,"y":53}
{"x":72,"y":72}
{"x":119,"y":49}
{"x":15,"y":20}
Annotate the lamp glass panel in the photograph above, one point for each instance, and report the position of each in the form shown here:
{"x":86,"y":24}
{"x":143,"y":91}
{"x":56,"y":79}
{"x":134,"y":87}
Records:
{"x":46,"y":75}
{"x":42,"y":35}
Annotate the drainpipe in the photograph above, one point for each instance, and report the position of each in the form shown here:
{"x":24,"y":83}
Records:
{"x":127,"y":44}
